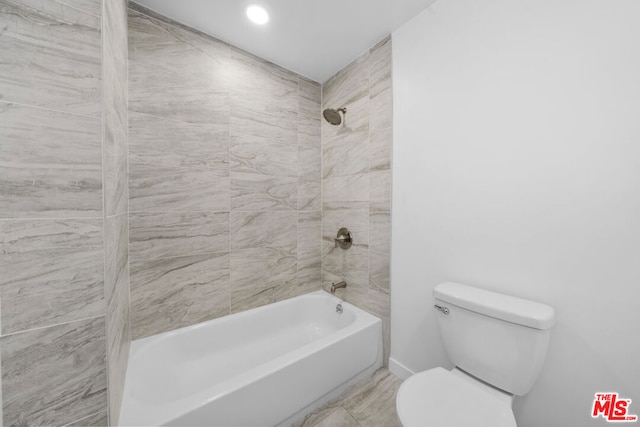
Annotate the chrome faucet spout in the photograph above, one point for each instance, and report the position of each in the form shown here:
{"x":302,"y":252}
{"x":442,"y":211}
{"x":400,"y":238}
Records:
{"x":338,"y":285}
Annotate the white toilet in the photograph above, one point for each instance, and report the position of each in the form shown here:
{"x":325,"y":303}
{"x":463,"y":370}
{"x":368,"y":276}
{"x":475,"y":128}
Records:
{"x":498,"y":344}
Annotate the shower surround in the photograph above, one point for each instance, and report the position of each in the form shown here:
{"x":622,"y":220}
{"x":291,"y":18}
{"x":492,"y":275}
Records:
{"x":225,"y":181}
{"x":356,"y":159}
{"x":209,"y":201}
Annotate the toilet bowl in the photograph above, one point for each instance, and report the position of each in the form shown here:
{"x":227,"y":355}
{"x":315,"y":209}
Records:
{"x":498,"y":344}
{"x":439,"y":398}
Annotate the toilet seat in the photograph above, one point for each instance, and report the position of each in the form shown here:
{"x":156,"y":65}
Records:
{"x":442,"y":398}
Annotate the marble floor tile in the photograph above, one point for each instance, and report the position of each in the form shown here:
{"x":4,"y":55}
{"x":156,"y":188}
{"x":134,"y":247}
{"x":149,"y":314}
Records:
{"x":368,"y":404}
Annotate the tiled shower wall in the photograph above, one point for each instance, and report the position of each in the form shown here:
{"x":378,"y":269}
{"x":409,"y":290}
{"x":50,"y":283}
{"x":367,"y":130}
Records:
{"x":225,"y":181}
{"x":356,"y":160}
{"x":62,"y":189}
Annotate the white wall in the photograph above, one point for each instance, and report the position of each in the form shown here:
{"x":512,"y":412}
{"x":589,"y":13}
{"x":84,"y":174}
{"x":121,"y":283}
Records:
{"x":517,"y":169}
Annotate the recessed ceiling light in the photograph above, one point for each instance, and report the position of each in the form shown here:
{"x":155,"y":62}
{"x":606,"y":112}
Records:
{"x":257,"y":14}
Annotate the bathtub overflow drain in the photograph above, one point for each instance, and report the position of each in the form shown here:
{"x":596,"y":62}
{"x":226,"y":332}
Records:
{"x":339,"y":308}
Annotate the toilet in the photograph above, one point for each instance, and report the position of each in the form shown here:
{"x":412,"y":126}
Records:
{"x":497,"y":343}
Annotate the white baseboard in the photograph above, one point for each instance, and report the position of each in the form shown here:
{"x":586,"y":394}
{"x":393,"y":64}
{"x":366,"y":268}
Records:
{"x":399,"y":370}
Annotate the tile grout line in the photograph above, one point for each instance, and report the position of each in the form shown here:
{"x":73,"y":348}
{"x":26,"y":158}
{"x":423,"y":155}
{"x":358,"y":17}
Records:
{"x":39,"y":328}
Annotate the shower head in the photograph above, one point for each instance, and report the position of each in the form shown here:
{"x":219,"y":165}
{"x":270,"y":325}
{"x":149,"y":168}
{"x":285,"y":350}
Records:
{"x":333,"y":116}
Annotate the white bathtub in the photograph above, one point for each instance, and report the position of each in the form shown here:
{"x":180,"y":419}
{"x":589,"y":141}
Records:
{"x":263,"y":367}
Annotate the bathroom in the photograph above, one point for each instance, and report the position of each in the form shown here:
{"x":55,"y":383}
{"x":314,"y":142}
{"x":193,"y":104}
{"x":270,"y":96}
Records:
{"x":154,"y":177}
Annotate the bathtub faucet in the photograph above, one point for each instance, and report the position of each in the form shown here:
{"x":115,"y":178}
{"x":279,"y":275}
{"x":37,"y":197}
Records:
{"x":339,"y":285}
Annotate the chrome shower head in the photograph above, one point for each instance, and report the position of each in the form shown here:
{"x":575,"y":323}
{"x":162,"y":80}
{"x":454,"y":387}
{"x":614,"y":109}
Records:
{"x":333,"y":116}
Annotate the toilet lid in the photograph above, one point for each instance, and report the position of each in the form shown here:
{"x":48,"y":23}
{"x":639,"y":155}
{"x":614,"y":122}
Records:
{"x":440,"y":398}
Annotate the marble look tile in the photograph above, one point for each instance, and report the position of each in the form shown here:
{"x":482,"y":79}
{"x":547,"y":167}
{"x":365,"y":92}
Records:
{"x":259,"y":149}
{"x":309,"y":218}
{"x":274,"y":229}
{"x":309,"y":251}
{"x":173,"y":143}
{"x":149,"y":31}
{"x":147,"y":320}
{"x":156,"y":282}
{"x":379,"y":271}
{"x":52,"y":164}
{"x":378,"y":302}
{"x":114,"y":99}
{"x":348,"y":86}
{"x":351,"y":266}
{"x":330,"y":417}
{"x":380,"y":231}
{"x":162,"y":189}
{"x":100,"y":419}
{"x":51,"y":271}
{"x":380,"y":149}
{"x":257,"y":192}
{"x":172,"y":234}
{"x":118,"y":338}
{"x":374,"y":402}
{"x":356,"y":220}
{"x":381,"y":186}
{"x":178,"y":55}
{"x":309,"y":195}
{"x":346,"y":192}
{"x":257,"y":269}
{"x":309,"y":106}
{"x":191,"y":104}
{"x":116,"y":243}
{"x":246,"y":299}
{"x":269,"y":91}
{"x":54,"y":375}
{"x":386,"y":340}
{"x":347,"y":154}
{"x":381,"y":108}
{"x":51,"y":56}
{"x":309,"y":157}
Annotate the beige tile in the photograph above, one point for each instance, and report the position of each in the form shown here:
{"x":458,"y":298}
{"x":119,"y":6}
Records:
{"x":257,"y":192}
{"x":100,"y":419}
{"x":256,"y":269}
{"x":380,"y":231}
{"x":379,"y":271}
{"x":274,"y":229}
{"x":52,"y":164}
{"x":161,"y":281}
{"x":55,"y":375}
{"x":347,"y":192}
{"x":173,"y":234}
{"x":51,"y":57}
{"x":374,"y":402}
{"x":51,"y":271}
{"x":162,"y":189}
{"x":151,"y":319}
{"x":330,"y":417}
{"x":165,"y":142}
{"x":380,"y":149}
{"x":309,"y":195}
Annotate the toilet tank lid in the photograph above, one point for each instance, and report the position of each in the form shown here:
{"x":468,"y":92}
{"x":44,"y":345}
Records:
{"x":511,"y":309}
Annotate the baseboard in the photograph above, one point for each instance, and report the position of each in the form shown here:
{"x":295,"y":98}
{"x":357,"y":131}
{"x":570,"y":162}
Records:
{"x":399,"y":370}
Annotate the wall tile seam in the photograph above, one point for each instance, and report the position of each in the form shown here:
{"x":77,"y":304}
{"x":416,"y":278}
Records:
{"x":153,"y":259}
{"x":39,"y":328}
{"x":77,"y":8}
{"x":8,"y":101}
{"x":88,"y":416}
{"x":54,"y":218}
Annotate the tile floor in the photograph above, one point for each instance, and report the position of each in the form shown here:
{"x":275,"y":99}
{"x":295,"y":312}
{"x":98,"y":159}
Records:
{"x":370,"y":404}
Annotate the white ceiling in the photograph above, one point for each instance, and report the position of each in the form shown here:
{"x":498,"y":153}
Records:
{"x":313,"y":38}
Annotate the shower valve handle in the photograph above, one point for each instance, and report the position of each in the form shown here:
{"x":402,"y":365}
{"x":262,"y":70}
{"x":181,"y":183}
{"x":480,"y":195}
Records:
{"x":343,"y":239}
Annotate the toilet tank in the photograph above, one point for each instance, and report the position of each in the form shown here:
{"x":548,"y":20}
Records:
{"x":500,"y":339}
